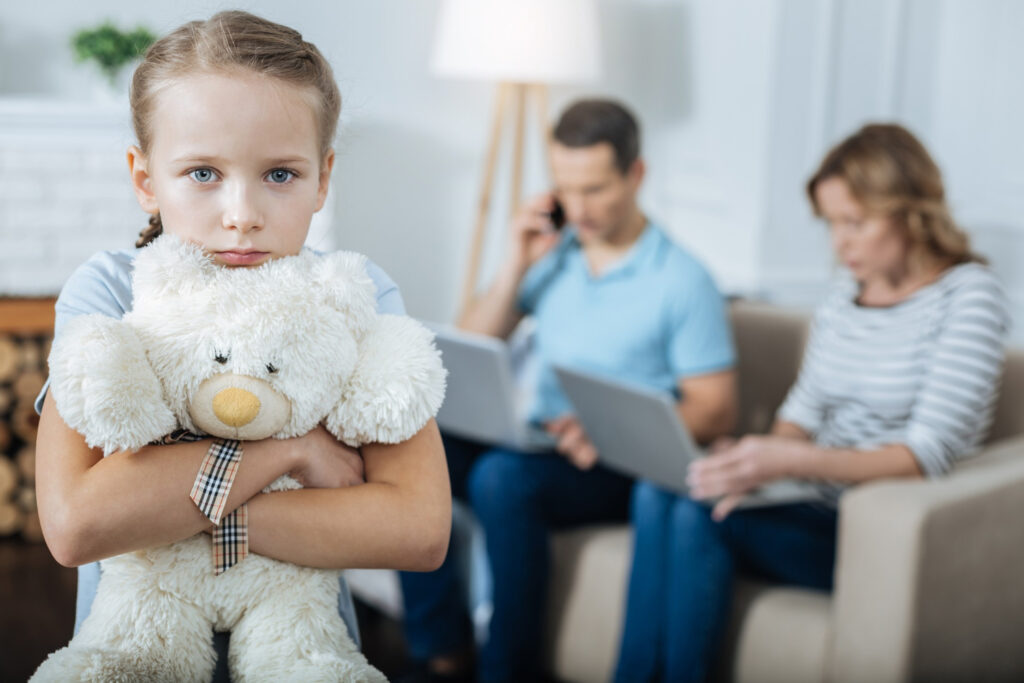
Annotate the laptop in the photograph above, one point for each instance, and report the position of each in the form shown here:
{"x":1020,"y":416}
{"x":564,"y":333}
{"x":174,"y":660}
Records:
{"x":482,"y":400}
{"x":637,"y":431}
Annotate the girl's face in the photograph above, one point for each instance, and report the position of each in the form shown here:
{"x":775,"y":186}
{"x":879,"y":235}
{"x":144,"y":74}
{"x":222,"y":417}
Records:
{"x":234,"y":166}
{"x":869,"y":245}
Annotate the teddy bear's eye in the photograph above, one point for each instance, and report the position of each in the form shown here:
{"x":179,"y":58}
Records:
{"x":271,"y":368}
{"x":221,"y":358}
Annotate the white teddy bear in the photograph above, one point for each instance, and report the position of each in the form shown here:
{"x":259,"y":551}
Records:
{"x":242,"y":354}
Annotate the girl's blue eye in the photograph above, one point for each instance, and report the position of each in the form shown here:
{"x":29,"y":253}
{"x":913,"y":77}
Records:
{"x":202,"y":175}
{"x":280,"y":175}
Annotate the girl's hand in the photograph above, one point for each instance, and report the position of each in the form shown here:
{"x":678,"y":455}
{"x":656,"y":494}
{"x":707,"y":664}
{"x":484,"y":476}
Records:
{"x":572,"y":441}
{"x":734,"y":470}
{"x":324,"y":462}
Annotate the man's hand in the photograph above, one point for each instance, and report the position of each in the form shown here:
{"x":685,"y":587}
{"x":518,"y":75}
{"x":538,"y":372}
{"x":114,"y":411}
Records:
{"x":532,"y":234}
{"x":324,"y":462}
{"x":737,"y":467}
{"x":572,"y":441}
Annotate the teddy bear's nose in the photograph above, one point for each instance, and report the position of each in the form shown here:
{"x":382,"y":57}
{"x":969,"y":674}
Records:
{"x":235,"y":407}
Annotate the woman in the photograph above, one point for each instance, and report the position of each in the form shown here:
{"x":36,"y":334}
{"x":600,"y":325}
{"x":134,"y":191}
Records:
{"x":899,"y":379}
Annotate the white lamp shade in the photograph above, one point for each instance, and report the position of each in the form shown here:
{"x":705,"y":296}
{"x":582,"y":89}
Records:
{"x":522,"y":41}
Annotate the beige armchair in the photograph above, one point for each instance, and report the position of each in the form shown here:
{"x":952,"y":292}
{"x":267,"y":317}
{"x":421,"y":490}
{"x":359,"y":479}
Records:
{"x":929,"y":575}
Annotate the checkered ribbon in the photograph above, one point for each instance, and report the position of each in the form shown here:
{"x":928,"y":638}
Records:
{"x":231,"y":540}
{"x":210,"y":493}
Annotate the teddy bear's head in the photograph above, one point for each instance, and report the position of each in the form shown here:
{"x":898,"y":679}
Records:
{"x":250,"y":353}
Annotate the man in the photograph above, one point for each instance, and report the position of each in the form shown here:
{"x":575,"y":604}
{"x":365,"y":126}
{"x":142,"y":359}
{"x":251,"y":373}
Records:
{"x":609,"y":293}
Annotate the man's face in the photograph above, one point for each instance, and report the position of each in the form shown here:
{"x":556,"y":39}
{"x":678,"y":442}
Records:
{"x":599,"y":200}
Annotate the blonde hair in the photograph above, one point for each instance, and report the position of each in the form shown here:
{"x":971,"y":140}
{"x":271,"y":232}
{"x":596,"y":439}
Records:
{"x":889,"y":172}
{"x":228,"y":42}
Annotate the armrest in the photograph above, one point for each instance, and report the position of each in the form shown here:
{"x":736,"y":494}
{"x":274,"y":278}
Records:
{"x":928,"y":575}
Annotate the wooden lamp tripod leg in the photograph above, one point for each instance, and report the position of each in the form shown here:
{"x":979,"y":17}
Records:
{"x":476,"y":246}
{"x":519,"y":92}
{"x":515,"y":199}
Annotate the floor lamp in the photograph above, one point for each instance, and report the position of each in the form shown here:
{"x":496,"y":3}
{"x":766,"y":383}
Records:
{"x":523,"y":45}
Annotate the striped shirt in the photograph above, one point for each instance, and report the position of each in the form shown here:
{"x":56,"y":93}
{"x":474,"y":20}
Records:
{"x":923,"y":373}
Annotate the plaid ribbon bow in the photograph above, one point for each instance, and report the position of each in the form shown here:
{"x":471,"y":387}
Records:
{"x":210,"y":494}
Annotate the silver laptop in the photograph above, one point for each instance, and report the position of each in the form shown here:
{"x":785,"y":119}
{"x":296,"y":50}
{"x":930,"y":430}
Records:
{"x":636,"y":430}
{"x":482,"y":401}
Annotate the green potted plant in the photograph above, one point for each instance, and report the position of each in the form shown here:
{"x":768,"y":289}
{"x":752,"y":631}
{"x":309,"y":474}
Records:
{"x":110,"y":48}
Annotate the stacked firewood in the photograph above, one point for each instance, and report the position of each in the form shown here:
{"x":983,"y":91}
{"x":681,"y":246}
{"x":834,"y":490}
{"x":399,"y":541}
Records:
{"x":22,"y":373}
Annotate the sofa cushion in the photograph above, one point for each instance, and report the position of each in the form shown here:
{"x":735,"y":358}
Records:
{"x":765,"y":332}
{"x":1009,"y":418}
{"x":777,"y":634}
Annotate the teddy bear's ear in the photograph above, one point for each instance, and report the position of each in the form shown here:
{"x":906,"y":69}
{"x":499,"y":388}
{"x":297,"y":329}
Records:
{"x":344,"y":284}
{"x":169,"y":265}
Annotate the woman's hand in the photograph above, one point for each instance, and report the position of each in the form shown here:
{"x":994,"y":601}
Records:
{"x":735,"y":468}
{"x":572,"y":441}
{"x":324,"y":462}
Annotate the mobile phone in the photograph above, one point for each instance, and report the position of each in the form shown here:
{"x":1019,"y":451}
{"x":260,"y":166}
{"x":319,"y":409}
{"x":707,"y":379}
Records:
{"x":557,"y":216}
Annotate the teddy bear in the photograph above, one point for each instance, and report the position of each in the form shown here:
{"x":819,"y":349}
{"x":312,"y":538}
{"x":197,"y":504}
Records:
{"x":246,"y":354}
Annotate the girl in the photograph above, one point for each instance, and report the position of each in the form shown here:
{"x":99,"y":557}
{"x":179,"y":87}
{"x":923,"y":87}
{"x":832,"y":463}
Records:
{"x":898,"y":380}
{"x":235,"y":118}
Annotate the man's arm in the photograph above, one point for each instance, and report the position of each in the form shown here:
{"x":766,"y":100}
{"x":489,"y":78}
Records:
{"x":709,"y":405}
{"x":496,"y":312}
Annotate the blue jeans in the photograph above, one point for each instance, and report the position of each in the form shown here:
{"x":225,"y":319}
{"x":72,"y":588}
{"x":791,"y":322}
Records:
{"x":680,"y":586}
{"x":518,"y":498}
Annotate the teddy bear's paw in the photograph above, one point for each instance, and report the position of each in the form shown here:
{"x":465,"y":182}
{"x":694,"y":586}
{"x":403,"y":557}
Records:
{"x":95,"y":665}
{"x":397,"y":386}
{"x":66,"y":664}
{"x":329,"y":668}
{"x":104,"y":386}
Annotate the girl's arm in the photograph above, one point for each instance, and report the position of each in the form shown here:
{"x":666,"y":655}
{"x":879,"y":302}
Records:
{"x":400,"y":519}
{"x":92,"y":507}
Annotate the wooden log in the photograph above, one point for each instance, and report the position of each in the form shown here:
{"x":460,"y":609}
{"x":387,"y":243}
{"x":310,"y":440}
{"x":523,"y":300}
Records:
{"x":26,"y":460}
{"x":25,"y":421}
{"x":32,"y":530}
{"x":5,"y":437}
{"x":12,"y":519}
{"x":27,"y":385}
{"x":27,"y":498}
{"x":32,"y":355}
{"x":27,"y":316}
{"x":10,"y":358}
{"x":8,"y":478}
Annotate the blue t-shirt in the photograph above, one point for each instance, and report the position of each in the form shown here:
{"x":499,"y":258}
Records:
{"x":103,"y":285}
{"x":653,"y":318}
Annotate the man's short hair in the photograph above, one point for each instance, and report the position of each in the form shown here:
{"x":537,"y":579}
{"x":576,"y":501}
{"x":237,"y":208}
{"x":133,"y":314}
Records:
{"x":593,"y":121}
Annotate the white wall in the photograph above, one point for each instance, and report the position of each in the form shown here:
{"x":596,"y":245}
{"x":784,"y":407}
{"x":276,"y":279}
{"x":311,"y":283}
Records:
{"x":738,"y":99}
{"x":409,"y":143}
{"x":776,"y":83}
